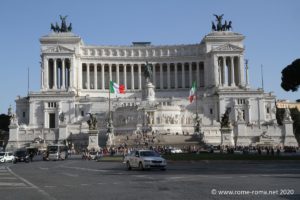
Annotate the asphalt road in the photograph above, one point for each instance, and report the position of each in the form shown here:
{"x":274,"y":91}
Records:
{"x":81,"y":179}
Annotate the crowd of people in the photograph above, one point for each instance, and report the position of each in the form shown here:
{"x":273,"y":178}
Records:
{"x":123,"y":150}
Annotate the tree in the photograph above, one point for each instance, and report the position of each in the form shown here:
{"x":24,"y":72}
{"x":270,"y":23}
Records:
{"x":295,"y":114}
{"x":4,"y":129}
{"x":4,"y":122}
{"x":290,"y":76}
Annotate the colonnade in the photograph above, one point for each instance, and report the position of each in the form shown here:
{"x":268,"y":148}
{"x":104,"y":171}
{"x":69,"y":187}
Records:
{"x":230,"y":71}
{"x":96,"y":76}
{"x":57,"y":73}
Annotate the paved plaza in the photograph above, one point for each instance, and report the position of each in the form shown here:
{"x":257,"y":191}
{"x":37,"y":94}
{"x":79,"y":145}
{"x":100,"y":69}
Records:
{"x":83,"y":179}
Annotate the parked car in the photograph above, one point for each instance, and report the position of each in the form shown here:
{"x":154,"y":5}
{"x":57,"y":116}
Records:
{"x":22,"y":156}
{"x":176,"y":150}
{"x":145,"y":159}
{"x":93,"y":155}
{"x":2,"y":155}
{"x":7,"y":157}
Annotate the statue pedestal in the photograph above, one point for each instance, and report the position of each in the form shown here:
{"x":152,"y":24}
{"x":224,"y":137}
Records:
{"x":227,"y":137}
{"x":62,"y":132}
{"x":148,"y":93}
{"x":288,"y":135}
{"x":110,"y":139}
{"x":13,"y":143}
{"x":241,"y":135}
{"x":93,"y":141}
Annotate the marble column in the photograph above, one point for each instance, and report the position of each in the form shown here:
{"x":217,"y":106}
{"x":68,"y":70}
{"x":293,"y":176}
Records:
{"x":95,"y":76}
{"x":183,"y":75}
{"x":216,"y":71}
{"x":140,"y":76}
{"x":154,"y":74}
{"x":55,"y":74}
{"x":72,"y":73}
{"x":168,"y":76}
{"x":118,"y":73}
{"x":31,"y":112}
{"x":241,"y":69}
{"x":161,"y":81}
{"x":198,"y":73}
{"x":88,"y":76}
{"x":232,"y":72}
{"x":110,"y":73}
{"x":102,"y":76}
{"x":125,"y":75}
{"x":247,"y":74}
{"x":132,"y":76}
{"x":175,"y":73}
{"x":42,"y":78}
{"x":190,"y":74}
{"x":46,"y":72}
{"x":224,"y":71}
{"x":63,"y":79}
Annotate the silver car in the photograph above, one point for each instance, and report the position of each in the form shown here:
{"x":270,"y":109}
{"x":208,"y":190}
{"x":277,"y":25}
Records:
{"x":145,"y":159}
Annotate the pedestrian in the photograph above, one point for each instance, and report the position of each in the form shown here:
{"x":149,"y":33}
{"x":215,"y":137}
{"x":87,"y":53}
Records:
{"x":278,"y":152}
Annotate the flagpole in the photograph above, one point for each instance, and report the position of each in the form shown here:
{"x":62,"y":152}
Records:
{"x":196,"y":101}
{"x":109,"y":114}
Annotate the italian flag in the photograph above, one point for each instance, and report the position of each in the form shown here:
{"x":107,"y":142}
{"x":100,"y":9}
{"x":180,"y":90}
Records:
{"x":192,"y":92}
{"x":115,"y":88}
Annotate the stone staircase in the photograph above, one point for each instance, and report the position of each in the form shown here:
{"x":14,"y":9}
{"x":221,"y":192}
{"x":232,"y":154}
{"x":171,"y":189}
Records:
{"x":133,"y":140}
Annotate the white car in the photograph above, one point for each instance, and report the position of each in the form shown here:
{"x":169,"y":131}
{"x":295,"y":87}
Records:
{"x":145,"y":159}
{"x":7,"y":157}
{"x":175,"y":150}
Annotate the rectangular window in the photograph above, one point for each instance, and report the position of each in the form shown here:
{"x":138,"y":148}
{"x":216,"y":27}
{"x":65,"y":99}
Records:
{"x":82,"y":113}
{"x":24,"y":114}
{"x":51,"y":120}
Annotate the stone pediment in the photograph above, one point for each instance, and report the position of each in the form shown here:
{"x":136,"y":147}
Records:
{"x":227,"y":47}
{"x":58,"y":49}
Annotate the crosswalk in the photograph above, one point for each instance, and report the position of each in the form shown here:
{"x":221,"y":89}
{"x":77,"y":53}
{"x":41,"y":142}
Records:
{"x":9,"y":181}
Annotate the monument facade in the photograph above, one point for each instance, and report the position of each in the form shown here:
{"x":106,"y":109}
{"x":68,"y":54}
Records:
{"x":75,"y":81}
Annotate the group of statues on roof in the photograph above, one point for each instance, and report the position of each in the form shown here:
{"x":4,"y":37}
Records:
{"x":63,"y":28}
{"x":219,"y":26}
{"x":227,"y":26}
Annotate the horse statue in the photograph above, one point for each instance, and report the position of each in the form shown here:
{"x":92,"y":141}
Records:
{"x":229,"y":26}
{"x":70,"y":27}
{"x":225,"y":122}
{"x":213,"y":26}
{"x":224,"y":26}
{"x":63,"y":28}
{"x":92,"y":122}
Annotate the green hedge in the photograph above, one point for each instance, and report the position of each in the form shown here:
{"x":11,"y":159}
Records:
{"x":213,"y":156}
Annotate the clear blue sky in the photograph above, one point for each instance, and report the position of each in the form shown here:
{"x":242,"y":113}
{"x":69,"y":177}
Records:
{"x":272,"y":30}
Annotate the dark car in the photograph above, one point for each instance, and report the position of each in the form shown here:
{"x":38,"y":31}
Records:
{"x":22,"y":156}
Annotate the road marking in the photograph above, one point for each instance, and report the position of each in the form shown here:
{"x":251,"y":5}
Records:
{"x":8,"y":178}
{"x":86,"y":169}
{"x":43,"y":168}
{"x":84,"y":184}
{"x":177,"y":177}
{"x":71,"y":175}
{"x":49,"y":186}
{"x":12,"y":184}
{"x":5,"y":174}
{"x":32,"y":185}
